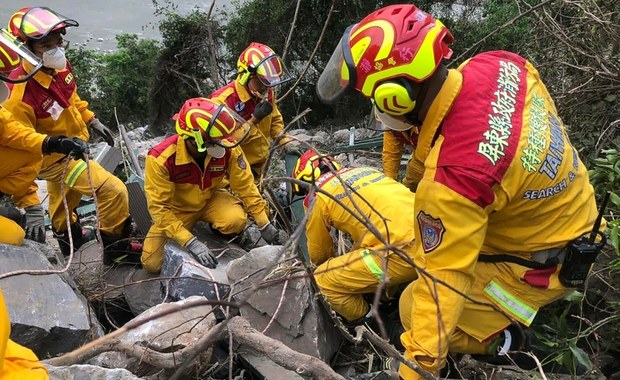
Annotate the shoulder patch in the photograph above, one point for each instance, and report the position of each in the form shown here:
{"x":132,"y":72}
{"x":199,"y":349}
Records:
{"x":241,"y":162}
{"x":239,"y":106}
{"x":431,"y":231}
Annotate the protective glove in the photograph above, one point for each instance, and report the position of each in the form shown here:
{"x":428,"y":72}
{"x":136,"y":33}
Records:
{"x":61,"y":144}
{"x":35,"y":223}
{"x":201,"y":252}
{"x":272,"y":235}
{"x":262,"y":110}
{"x":102,"y":131}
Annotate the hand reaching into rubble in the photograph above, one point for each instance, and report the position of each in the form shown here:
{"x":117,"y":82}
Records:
{"x":201,"y":252}
{"x":35,"y":223}
{"x":99,"y":128}
{"x":272,"y":235}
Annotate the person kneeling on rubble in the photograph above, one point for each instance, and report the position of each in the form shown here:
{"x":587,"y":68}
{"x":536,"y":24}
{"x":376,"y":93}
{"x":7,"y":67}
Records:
{"x":186,"y":178}
{"x":21,"y":152}
{"x":343,"y":198}
{"x":49,"y":103}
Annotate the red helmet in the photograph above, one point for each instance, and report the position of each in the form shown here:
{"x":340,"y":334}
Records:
{"x":391,"y":45}
{"x":309,"y":168}
{"x":204,"y":120}
{"x":37,"y":23}
{"x":9,"y":58}
{"x":260,"y":60}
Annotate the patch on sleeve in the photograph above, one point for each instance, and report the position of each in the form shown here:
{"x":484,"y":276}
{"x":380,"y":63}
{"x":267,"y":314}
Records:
{"x":431,"y":231}
{"x":241,"y":162}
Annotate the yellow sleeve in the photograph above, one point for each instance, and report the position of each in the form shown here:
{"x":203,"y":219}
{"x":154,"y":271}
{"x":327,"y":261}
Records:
{"x":320,"y":244}
{"x":413,"y":173}
{"x":82,"y":107}
{"x":159,"y":193}
{"x":392,"y":153}
{"x":14,"y":134}
{"x":242,"y":184}
{"x":448,"y":250}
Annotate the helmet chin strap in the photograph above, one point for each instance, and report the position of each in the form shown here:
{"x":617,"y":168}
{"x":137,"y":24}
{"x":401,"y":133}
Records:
{"x":216,"y":151}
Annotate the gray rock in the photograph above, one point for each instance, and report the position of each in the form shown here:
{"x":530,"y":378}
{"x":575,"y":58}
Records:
{"x":301,"y":322}
{"x":264,"y":367}
{"x":298,"y":131}
{"x":91,"y":372}
{"x":47,"y":316}
{"x":141,"y":290}
{"x":341,"y":136}
{"x":189,"y":278}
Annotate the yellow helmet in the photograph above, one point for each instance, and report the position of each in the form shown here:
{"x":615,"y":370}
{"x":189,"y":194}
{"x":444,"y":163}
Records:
{"x":260,"y":60}
{"x":309,"y":168}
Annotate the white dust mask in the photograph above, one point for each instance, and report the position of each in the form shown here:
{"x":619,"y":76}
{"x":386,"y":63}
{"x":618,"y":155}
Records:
{"x":216,"y":151}
{"x":55,"y":58}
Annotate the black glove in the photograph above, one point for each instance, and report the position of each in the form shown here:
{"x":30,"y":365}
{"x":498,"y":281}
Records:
{"x":272,"y":235}
{"x":201,"y":252}
{"x":35,"y":223}
{"x":64,"y":145}
{"x":263,"y":109}
{"x":102,"y":131}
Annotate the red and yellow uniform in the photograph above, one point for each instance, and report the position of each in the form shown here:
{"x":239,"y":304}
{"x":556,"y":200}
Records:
{"x":256,"y":145}
{"x":344,"y":279}
{"x":51,"y":105}
{"x":394,"y":143}
{"x":20,"y":161}
{"x":180,"y":193}
{"x":501,"y":177}
{"x":16,"y":362}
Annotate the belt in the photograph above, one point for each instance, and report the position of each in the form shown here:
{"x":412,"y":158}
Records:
{"x":540,"y":260}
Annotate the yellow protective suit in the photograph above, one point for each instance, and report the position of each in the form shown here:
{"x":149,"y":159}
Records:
{"x":51,"y":105}
{"x":501,"y":177}
{"x":16,"y":362}
{"x":180,"y":193}
{"x":394,"y":143}
{"x":344,"y":279}
{"x":20,"y":161}
{"x":257,"y":143}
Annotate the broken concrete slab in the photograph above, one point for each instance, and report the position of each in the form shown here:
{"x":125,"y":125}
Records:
{"x":47,"y":315}
{"x":301,"y":322}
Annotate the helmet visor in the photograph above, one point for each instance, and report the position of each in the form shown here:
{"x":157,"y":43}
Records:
{"x":271,"y":71}
{"x":339,"y":74}
{"x":38,"y":22}
{"x":15,"y":51}
{"x":227,"y":128}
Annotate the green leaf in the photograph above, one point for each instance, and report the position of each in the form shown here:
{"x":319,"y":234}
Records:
{"x":581,"y":356}
{"x":615,"y":237}
{"x":611,"y":98}
{"x":615,"y":199}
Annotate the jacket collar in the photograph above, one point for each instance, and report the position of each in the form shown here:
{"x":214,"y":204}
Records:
{"x":183,"y":157}
{"x":242,"y":92}
{"x":42,"y":78}
{"x":436,"y":113}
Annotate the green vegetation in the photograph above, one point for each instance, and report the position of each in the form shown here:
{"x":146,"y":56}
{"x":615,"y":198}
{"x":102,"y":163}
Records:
{"x":574,"y":44}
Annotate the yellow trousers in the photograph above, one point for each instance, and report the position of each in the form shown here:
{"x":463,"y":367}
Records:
{"x":16,"y":362}
{"x":344,"y":280}
{"x":18,"y":170}
{"x":501,"y":284}
{"x":112,"y":196}
{"x":10,"y":232}
{"x":223,"y":211}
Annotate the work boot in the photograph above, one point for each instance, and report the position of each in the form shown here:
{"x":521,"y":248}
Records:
{"x":121,"y":250}
{"x":80,"y":236}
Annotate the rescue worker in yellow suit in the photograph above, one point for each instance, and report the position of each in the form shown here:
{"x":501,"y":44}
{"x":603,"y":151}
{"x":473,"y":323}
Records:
{"x":185,"y":182}
{"x":21,"y":150}
{"x":251,"y":95}
{"x":16,"y":362}
{"x":388,"y":205}
{"x":50,"y":104}
{"x":503,"y":196}
{"x":397,"y":137}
